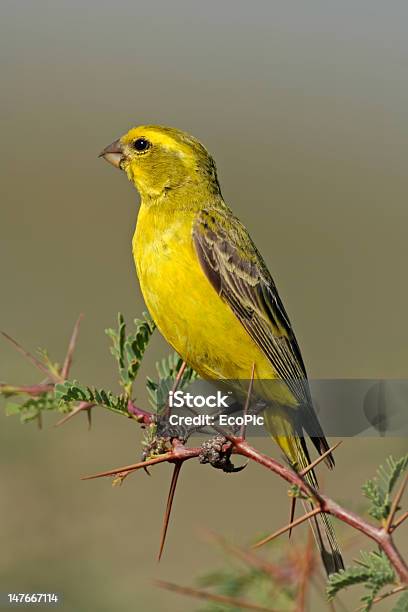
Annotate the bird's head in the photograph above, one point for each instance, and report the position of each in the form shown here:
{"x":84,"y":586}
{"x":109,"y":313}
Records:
{"x":158,"y":160}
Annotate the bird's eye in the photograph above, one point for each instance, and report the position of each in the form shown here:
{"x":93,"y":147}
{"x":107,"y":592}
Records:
{"x":141,"y":144}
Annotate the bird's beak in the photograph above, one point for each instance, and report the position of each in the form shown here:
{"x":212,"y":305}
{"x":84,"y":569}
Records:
{"x":113,"y":153}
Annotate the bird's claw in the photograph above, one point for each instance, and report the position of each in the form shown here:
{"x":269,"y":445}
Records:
{"x":217,"y":452}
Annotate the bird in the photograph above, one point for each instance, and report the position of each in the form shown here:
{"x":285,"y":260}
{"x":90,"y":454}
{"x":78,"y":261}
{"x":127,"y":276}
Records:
{"x":211,"y":294}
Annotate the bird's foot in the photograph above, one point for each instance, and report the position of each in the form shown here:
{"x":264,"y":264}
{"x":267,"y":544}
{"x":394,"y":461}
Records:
{"x":159,"y":438}
{"x":217,"y":452}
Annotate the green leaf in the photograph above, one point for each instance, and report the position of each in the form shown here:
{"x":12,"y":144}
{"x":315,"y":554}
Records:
{"x":373,"y":570}
{"x":378,"y":490}
{"x":129,"y":349}
{"x":345,"y":578}
{"x":167,"y":370}
{"x":73,"y":392}
{"x":33,"y":406}
{"x":12,"y":408}
{"x":395,"y":468}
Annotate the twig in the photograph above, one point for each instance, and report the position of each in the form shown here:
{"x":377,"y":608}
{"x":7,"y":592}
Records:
{"x":224,"y":599}
{"x":399,"y":521}
{"x":396,"y":501}
{"x":142,"y":416}
{"x":89,"y":417}
{"x":179,"y":376}
{"x":71,"y":348}
{"x":295,"y":523}
{"x":398,"y":589}
{"x":40,"y":389}
{"x":36,"y":362}
{"x":325,"y":504}
{"x":319,"y":459}
{"x":131,"y":468}
{"x":178,"y":454}
{"x":170,"y":498}
{"x":329,"y":506}
{"x":80,"y":408}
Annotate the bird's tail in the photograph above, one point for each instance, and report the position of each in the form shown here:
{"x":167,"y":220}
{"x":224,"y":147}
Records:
{"x":295,"y":449}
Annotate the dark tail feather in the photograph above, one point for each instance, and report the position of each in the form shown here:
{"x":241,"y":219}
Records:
{"x":324,"y":535}
{"x":321,"y":525}
{"x":282,"y":426}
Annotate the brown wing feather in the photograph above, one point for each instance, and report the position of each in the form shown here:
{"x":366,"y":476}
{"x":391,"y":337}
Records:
{"x":238,"y":273}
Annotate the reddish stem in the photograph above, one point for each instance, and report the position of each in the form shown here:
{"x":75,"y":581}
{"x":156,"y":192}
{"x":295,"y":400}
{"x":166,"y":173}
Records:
{"x":143,"y":416}
{"x":170,"y":498}
{"x":79,"y":408}
{"x":71,"y":348}
{"x":28,"y":389}
{"x":180,"y":453}
{"x":327,"y":505}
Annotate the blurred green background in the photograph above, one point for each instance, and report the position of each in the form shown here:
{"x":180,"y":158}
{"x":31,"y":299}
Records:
{"x":304,"y":106}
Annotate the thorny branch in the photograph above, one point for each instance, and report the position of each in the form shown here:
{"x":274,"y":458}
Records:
{"x":381,"y":535}
{"x":36,"y":362}
{"x":71,"y":349}
{"x":177,"y":453}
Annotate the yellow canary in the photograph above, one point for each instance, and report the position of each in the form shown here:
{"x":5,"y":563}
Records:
{"x":209,"y":291}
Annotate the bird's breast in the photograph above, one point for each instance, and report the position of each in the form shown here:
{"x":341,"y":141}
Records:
{"x":187,"y":310}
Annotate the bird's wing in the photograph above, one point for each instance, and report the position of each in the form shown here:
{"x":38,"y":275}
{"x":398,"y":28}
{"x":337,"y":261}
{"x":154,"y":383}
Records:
{"x":238,"y":273}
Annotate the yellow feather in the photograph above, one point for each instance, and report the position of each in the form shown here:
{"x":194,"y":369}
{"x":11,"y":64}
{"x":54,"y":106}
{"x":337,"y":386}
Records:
{"x":191,"y":316}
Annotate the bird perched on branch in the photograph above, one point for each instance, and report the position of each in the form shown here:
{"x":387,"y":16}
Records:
{"x":210,"y":293}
